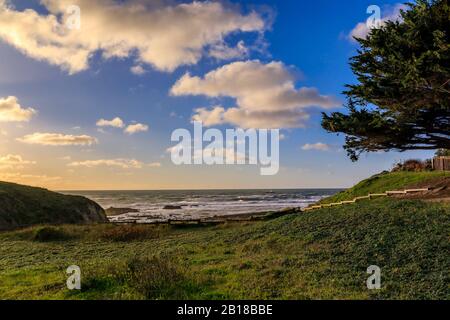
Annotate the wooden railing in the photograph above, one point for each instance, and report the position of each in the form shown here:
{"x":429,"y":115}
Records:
{"x":368,"y":197}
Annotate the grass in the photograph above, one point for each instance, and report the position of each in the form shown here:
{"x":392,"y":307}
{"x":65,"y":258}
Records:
{"x":317,"y":255}
{"x":322,"y":254}
{"x":385,"y":182}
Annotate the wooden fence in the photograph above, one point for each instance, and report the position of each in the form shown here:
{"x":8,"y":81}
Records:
{"x":441,"y":163}
{"x":369,"y":196}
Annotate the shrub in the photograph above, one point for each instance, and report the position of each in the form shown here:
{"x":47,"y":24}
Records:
{"x":156,"y":278}
{"x":46,"y":234}
{"x":412,"y":165}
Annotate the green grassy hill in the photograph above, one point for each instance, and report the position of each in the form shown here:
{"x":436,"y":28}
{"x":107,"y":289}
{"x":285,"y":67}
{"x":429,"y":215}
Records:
{"x":323,"y":254}
{"x":22,"y":205}
{"x":386,"y":182}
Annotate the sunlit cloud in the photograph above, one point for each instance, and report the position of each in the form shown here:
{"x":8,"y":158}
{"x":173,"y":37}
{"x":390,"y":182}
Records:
{"x":119,"y":163}
{"x":116,"y":122}
{"x":362,"y":29}
{"x":265,"y":94}
{"x":14,"y":161}
{"x":58,"y":139}
{"x":12,"y":111}
{"x":319,"y":146}
{"x":135,"y":128}
{"x":138,"y":70}
{"x":224,"y":52}
{"x":29,"y":179}
{"x":227,"y":154}
{"x":161,"y":35}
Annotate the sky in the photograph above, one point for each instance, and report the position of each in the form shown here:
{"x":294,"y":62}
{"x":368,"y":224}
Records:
{"x":91,"y":103}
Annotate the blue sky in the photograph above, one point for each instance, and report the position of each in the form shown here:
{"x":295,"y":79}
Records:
{"x":308,"y":38}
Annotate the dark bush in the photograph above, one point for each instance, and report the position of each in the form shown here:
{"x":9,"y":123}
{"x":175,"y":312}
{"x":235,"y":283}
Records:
{"x":412,"y":165}
{"x":47,"y":234}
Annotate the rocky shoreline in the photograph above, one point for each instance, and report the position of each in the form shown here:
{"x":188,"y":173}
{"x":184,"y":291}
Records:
{"x":157,"y":219}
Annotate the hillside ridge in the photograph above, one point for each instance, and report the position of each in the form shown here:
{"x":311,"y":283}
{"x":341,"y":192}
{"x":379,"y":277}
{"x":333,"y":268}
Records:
{"x":22,"y":205}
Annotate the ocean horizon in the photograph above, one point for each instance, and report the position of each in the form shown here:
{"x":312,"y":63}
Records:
{"x":161,"y":205}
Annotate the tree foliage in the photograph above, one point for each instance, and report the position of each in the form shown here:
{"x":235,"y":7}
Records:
{"x":402,"y":98}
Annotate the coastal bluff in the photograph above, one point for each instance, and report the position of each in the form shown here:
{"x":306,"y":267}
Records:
{"x":22,"y":206}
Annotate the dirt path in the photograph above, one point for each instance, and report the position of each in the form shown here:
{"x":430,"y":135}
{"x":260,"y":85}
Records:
{"x":439,"y":190}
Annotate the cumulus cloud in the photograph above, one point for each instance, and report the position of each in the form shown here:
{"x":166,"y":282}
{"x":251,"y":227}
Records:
{"x":119,"y":163}
{"x":135,"y":128}
{"x":165,"y":36}
{"x":58,"y":139}
{"x":265,"y":94}
{"x":362,"y":29}
{"x":12,"y":111}
{"x":116,"y":122}
{"x":319,"y":146}
{"x":252,"y":119}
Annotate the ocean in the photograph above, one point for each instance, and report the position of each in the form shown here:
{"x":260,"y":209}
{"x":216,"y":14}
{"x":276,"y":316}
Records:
{"x":195,"y":204}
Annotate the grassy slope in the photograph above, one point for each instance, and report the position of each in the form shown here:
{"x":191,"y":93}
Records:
{"x":24,"y":205}
{"x":384,"y":182}
{"x":321,"y":254}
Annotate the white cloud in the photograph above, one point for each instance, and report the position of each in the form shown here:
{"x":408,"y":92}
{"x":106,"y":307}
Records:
{"x":13,"y":161}
{"x":116,"y":122}
{"x":138,"y":70}
{"x":164,"y":36}
{"x":12,"y":111}
{"x":120,"y":163}
{"x":265,"y":94}
{"x":362,"y":29}
{"x":228,"y":154}
{"x":319,"y":146}
{"x":58,"y":139}
{"x":134,"y":128}
{"x":210,"y":117}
